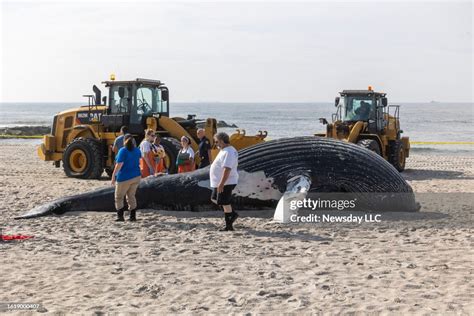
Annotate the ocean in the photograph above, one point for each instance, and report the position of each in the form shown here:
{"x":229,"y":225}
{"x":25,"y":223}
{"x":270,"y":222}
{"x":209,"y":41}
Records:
{"x":433,"y":122}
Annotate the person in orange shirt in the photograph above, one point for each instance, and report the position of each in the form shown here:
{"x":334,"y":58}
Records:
{"x":147,"y":161}
{"x":160,"y":154}
{"x":185,"y":160}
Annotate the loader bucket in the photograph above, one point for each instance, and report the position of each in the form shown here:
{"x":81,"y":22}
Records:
{"x":240,"y":141}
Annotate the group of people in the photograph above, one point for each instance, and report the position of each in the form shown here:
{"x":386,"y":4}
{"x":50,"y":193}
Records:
{"x":152,"y":155}
{"x":134,"y":162}
{"x":152,"y":161}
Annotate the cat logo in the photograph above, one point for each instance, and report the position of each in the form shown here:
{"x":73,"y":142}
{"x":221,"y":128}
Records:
{"x":87,"y":117}
{"x":95,"y":117}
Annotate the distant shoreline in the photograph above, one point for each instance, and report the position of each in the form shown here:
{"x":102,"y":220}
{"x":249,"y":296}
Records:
{"x":24,"y":131}
{"x":243,"y":102}
{"x":36,"y":132}
{"x":6,"y":136}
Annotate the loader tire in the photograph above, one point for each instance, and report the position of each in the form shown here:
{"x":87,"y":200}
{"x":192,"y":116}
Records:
{"x":83,"y":159}
{"x":370,"y":144}
{"x":397,"y":155}
{"x":172,"y":147}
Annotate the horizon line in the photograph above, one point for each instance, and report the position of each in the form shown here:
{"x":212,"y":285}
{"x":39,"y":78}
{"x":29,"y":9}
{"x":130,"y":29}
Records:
{"x":249,"y":102}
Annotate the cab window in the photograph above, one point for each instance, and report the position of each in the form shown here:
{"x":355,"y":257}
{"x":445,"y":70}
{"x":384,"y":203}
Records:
{"x":116,"y":103}
{"x":144,"y":100}
{"x":357,"y":108}
{"x":161,"y":106}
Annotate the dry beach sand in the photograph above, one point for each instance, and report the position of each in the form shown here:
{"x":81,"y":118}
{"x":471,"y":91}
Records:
{"x":175,"y":262}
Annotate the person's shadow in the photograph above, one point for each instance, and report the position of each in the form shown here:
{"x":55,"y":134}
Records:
{"x":239,"y":227}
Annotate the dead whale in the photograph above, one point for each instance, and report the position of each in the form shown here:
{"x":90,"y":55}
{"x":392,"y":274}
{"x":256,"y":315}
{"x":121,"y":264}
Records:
{"x":298,"y":165}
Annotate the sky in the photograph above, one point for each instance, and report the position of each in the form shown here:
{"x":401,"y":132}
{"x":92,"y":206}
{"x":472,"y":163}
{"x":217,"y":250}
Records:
{"x":238,"y":51}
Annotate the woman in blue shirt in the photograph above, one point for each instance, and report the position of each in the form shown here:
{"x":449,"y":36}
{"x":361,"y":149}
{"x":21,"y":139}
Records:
{"x":126,"y":178}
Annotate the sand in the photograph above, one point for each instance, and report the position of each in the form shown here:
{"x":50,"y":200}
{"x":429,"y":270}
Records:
{"x":176,"y":262}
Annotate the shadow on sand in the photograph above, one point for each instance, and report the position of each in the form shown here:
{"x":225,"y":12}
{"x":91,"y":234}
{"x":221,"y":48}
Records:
{"x":265,"y":213}
{"x":286,"y":235}
{"x":240,"y":229}
{"x":427,"y":174}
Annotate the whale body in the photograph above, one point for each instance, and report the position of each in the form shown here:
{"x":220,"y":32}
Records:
{"x":268,"y":172}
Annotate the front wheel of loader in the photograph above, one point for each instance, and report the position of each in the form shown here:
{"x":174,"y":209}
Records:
{"x":397,"y":155}
{"x":370,"y":144}
{"x":83,"y":159}
{"x":172,"y":147}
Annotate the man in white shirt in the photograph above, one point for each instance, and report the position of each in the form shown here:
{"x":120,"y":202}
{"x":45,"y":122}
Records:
{"x":224,"y":177}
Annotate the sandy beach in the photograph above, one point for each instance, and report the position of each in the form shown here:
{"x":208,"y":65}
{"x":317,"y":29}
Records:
{"x":177,"y":262}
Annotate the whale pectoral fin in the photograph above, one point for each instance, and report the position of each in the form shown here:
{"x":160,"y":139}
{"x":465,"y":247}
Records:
{"x":297,"y":188}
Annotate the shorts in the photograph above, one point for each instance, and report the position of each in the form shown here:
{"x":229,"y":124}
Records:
{"x":224,"y":198}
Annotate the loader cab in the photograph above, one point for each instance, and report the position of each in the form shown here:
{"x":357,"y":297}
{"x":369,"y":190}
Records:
{"x":131,"y":102}
{"x":362,"y":105}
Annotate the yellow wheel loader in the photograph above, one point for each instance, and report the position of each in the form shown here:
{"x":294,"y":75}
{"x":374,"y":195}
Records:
{"x":363,"y":117}
{"x":82,"y":138}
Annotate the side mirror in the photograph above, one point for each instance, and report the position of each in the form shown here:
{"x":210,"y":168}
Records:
{"x":104,"y":100}
{"x":336,"y":101}
{"x":121,"y":92}
{"x":164,"y":95}
{"x":97,"y":94}
{"x":384,"y":102}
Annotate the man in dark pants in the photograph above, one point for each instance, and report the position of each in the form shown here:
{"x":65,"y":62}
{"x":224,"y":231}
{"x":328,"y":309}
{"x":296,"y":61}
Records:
{"x":204,"y":149}
{"x":224,"y":177}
